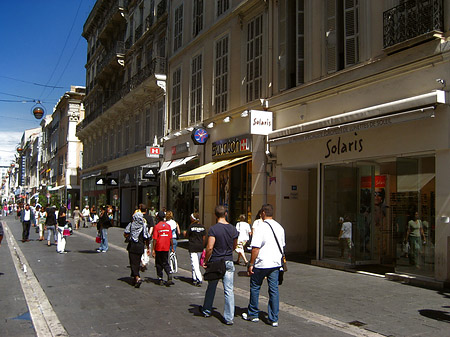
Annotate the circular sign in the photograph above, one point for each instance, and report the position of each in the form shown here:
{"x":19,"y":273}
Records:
{"x":38,"y":112}
{"x":200,"y":136}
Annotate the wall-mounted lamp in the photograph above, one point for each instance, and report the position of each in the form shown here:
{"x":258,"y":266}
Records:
{"x":211,"y":125}
{"x":177,"y":134}
{"x":227,"y":119}
{"x":190,"y":129}
{"x":244,"y":114}
{"x":264,"y":103}
{"x":166,"y":137}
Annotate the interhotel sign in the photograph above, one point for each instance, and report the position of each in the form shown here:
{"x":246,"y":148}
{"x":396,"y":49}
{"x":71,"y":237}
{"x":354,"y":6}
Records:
{"x":232,"y":147}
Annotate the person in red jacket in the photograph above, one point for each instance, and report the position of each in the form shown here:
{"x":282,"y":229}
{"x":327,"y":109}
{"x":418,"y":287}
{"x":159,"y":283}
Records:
{"x":162,"y":244}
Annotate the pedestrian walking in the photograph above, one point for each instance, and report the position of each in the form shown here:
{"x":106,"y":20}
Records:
{"x":1,"y":233}
{"x":41,"y":222}
{"x":244,"y":231}
{"x":62,"y":216}
{"x":137,"y":235}
{"x":27,"y":217}
{"x":63,"y":232}
{"x":345,"y":236}
{"x":77,"y":217}
{"x":162,"y":244}
{"x":85,"y":214}
{"x":50,"y":224}
{"x":268,"y":243}
{"x":145,"y":258}
{"x":222,"y":240}
{"x":196,"y":234}
{"x":174,"y":227}
{"x":104,"y":222}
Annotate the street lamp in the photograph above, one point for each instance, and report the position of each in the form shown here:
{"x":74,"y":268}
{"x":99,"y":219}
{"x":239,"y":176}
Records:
{"x":38,"y":112}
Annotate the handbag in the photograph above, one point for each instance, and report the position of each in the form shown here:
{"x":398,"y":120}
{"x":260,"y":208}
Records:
{"x":98,"y":239}
{"x":283,"y":268}
{"x":215,"y":270}
{"x":202,"y":258}
{"x":66,"y":232}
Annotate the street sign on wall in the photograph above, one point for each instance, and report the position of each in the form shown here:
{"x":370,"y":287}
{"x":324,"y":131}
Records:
{"x":154,"y":151}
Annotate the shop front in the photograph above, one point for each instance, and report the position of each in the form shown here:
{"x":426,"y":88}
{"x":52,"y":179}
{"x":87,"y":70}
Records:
{"x":228,"y":176}
{"x":381,"y":174}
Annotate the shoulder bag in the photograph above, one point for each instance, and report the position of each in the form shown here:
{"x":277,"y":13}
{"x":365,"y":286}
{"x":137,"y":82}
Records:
{"x":215,"y":270}
{"x":283,"y":268}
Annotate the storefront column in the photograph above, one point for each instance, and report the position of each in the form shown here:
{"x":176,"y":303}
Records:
{"x":442,"y":245}
{"x":259,"y":181}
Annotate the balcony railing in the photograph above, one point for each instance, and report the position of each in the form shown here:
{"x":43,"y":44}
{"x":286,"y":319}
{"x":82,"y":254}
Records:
{"x":411,"y":19}
{"x":149,"y":21}
{"x":115,"y":7}
{"x":157,"y":66}
{"x":113,"y":53}
{"x":161,"y":9}
{"x":137,"y":33}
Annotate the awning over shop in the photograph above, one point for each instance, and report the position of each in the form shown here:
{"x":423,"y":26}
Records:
{"x":171,"y":164}
{"x":56,"y":188}
{"x":411,"y":108}
{"x":91,"y":174}
{"x":207,"y":169}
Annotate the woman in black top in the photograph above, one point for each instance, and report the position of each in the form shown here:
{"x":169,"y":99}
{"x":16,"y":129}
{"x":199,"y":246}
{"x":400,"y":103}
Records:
{"x":196,"y":234}
{"x":104,"y":222}
{"x":50,"y":223}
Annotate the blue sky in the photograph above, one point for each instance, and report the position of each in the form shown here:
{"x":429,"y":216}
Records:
{"x":42,"y":55}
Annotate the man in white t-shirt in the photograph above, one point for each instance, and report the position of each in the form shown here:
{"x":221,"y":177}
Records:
{"x":265,"y":262}
{"x":345,"y":237}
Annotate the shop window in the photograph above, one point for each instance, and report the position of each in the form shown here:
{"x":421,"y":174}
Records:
{"x":390,"y":204}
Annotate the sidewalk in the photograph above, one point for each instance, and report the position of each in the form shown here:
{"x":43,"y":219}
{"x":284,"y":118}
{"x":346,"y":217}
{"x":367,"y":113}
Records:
{"x":89,"y":291}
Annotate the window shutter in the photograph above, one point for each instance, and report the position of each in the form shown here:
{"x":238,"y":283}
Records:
{"x":331,"y":36}
{"x":351,"y":32}
{"x":282,"y":36}
{"x":300,"y":42}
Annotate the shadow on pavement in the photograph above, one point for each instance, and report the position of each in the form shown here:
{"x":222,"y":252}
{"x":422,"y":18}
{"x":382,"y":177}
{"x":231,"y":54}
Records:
{"x":90,"y":251}
{"x":438,"y":315}
{"x":128,"y":280}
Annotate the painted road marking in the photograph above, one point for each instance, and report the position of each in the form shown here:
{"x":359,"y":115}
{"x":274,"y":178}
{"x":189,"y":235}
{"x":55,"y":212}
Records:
{"x":45,"y":321}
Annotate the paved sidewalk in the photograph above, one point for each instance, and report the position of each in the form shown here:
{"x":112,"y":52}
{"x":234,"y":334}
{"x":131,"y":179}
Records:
{"x":91,"y":294}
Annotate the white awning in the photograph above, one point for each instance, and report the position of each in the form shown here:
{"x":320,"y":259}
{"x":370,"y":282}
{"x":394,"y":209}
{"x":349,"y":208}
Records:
{"x":372,"y":116}
{"x":56,"y":188}
{"x":207,"y":169}
{"x":171,"y":164}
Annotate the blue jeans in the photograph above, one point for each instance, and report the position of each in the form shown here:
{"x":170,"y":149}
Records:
{"x":256,"y":281}
{"x":104,"y":239}
{"x":50,"y":230}
{"x":228,"y":312}
{"x":175,"y":243}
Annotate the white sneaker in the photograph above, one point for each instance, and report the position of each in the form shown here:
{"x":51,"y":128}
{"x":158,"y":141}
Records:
{"x":274,"y":324}
{"x":246,"y":317}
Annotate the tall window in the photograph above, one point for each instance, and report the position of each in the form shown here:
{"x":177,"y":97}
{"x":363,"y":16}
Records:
{"x":222,"y":6}
{"x":178,"y":28}
{"x":221,"y":76}
{"x":342,"y":35}
{"x":291,"y":43}
{"x":148,"y":136}
{"x":176,"y":100}
{"x":196,"y":90}
{"x":160,"y":125}
{"x":126,"y":137}
{"x":119,"y":139}
{"x":254,"y":58}
{"x":197,"y":20}
{"x":300,"y":41}
{"x":112,"y":149}
{"x":137,"y":131}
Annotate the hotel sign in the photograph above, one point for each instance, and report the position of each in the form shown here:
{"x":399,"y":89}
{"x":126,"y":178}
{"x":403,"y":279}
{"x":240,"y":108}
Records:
{"x":232,"y":147}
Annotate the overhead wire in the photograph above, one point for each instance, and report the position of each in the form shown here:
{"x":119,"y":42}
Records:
{"x":62,"y":51}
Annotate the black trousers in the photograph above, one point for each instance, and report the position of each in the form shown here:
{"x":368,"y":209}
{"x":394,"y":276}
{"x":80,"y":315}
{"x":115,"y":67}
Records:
{"x":135,"y":263}
{"x":26,"y":230}
{"x":162,"y":262}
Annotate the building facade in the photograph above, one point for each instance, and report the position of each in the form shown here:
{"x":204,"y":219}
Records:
{"x":326,"y":109}
{"x":125,"y":104}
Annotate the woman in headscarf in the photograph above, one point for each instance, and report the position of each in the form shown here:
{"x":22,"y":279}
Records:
{"x":137,"y":234}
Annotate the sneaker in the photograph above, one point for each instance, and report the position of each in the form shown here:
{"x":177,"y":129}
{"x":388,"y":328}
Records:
{"x":199,"y":284}
{"x":160,"y":281}
{"x":206,"y":314}
{"x":246,"y":317}
{"x":98,"y":250}
{"x":274,"y":324}
{"x":169,"y":282}
{"x":103,"y":251}
{"x":229,"y":322}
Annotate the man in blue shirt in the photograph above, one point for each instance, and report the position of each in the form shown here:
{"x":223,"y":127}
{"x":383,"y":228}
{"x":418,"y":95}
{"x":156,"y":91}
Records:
{"x":222,"y":240}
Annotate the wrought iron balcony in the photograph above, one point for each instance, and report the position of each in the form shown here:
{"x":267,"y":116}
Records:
{"x":149,"y":21}
{"x":161,"y":9}
{"x":118,"y":51}
{"x":412,"y":19}
{"x":137,"y":33}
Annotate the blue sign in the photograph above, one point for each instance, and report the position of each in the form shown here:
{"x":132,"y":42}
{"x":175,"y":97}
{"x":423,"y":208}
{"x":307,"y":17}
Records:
{"x":200,"y":136}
